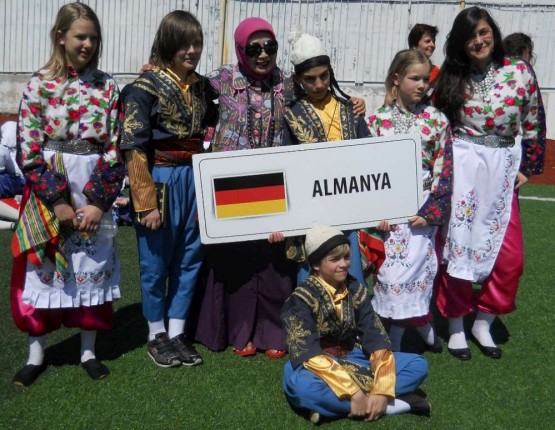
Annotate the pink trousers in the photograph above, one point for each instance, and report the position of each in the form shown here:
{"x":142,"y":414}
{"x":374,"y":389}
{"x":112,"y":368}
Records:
{"x":455,"y":297}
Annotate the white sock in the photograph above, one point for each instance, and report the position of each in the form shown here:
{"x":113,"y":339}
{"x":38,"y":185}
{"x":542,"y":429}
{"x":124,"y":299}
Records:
{"x":397,"y":406}
{"x":396,"y":336}
{"x":37,"y":347}
{"x":481,"y":328}
{"x":175,"y":327}
{"x":427,"y":333}
{"x":88,"y":340}
{"x":457,"y":340}
{"x":155,"y":327}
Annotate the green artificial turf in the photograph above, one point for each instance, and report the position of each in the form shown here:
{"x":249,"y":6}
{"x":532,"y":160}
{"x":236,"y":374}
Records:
{"x":229,"y":392}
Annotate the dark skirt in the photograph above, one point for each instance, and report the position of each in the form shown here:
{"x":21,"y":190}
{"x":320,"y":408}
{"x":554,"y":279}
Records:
{"x":241,"y":291}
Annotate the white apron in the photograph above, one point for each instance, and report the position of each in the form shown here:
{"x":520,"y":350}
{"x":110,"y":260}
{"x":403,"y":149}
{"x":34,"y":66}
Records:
{"x":483,"y":185}
{"x":405,"y":280}
{"x":93,"y":274}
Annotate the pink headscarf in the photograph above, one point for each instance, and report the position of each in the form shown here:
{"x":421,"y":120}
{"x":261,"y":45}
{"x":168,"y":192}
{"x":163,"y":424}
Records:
{"x":244,"y":30}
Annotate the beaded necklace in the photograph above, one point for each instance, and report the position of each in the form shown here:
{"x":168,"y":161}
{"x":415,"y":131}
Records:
{"x":251,"y":112}
{"x":482,"y":82}
{"x":402,"y":120}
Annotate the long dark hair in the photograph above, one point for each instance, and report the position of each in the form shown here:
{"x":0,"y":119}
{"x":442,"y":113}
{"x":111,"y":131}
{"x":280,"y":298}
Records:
{"x":456,"y":71}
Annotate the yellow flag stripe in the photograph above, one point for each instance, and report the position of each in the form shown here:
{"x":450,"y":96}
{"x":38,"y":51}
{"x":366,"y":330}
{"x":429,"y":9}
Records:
{"x":251,"y":209}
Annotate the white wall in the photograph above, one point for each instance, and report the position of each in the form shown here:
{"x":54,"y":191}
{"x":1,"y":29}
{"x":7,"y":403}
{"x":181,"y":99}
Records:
{"x":361,"y":36}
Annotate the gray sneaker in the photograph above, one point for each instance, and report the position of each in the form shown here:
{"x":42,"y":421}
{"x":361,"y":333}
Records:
{"x":186,"y":351}
{"x":162,"y":352}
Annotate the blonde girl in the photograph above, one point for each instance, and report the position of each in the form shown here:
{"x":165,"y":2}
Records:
{"x":65,"y":268}
{"x":404,"y":282}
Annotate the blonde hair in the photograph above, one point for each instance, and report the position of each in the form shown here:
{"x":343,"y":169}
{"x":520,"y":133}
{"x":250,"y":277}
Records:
{"x":57,"y":64}
{"x":340,"y":251}
{"x":399,"y":66}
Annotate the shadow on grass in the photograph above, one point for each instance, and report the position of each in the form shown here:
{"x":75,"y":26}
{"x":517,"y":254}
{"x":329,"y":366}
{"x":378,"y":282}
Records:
{"x":412,"y":342}
{"x":129,"y":333}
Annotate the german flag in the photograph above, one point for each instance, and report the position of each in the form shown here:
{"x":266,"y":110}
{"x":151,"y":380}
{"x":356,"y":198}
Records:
{"x":251,"y":195}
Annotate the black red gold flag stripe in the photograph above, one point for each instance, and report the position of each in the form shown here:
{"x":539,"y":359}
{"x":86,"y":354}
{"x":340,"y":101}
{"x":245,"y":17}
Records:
{"x":250,"y":195}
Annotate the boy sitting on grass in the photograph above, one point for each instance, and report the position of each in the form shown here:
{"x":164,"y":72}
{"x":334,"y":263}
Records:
{"x":341,"y":359}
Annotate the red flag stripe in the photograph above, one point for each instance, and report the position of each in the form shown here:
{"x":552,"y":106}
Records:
{"x":249,"y":195}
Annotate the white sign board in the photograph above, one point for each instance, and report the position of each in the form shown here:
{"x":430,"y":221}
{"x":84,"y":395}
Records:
{"x":246,"y":195}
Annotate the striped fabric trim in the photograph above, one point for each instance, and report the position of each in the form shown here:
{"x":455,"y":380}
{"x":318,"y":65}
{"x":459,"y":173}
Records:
{"x":38,"y":228}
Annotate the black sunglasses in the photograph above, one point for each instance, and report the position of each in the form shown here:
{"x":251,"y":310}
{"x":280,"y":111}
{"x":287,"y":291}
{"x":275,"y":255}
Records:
{"x":254,"y":50}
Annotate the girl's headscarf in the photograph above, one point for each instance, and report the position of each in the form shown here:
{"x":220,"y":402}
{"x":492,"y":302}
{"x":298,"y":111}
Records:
{"x":244,"y":30}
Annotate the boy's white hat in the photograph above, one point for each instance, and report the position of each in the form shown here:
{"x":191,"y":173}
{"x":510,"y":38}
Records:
{"x":304,"y":47}
{"x":320,"y":240}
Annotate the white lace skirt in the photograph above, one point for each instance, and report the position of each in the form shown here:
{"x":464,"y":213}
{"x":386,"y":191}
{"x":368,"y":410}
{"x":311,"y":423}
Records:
{"x":93,"y":274}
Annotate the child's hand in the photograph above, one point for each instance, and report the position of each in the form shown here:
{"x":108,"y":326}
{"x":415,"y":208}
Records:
{"x":358,"y":405}
{"x":66,"y":215}
{"x":418,"y":221}
{"x":375,"y":406}
{"x":276,"y":237}
{"x":151,"y":219}
{"x":146,"y":68}
{"x":89,"y":217}
{"x":383,"y":225}
{"x":359,"y":106}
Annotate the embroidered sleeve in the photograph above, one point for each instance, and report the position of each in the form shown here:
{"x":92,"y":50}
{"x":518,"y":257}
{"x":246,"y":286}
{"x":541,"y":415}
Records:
{"x":105,"y":181}
{"x":533,"y":124}
{"x":288,"y":137}
{"x":370,"y":330}
{"x":333,"y":374}
{"x":47,"y":184}
{"x":436,"y":207}
{"x":136,"y":133}
{"x":299,"y":324}
{"x":382,"y":363}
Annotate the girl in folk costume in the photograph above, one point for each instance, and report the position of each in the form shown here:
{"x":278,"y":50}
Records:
{"x":404,"y":282}
{"x":65,"y":268}
{"x":322,"y":113}
{"x":487,"y":97}
{"x":166,"y":111}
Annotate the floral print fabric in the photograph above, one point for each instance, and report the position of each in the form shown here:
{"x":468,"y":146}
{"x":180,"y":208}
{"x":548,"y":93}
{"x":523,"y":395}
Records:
{"x":511,"y":103}
{"x":239,"y":94}
{"x":437,"y":153}
{"x":83,"y":107}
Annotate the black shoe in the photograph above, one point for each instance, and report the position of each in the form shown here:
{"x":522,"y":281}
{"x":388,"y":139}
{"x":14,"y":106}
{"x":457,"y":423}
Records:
{"x":488,"y":351}
{"x":186,"y":351}
{"x":418,"y":404}
{"x":161,"y":350}
{"x":436,"y":348}
{"x":460,"y":353}
{"x":28,"y":374}
{"x":95,"y":369}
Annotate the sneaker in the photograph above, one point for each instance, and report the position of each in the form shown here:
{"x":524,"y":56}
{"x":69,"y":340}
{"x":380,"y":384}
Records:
{"x":418,"y":404}
{"x":162,"y":352}
{"x":186,"y":351}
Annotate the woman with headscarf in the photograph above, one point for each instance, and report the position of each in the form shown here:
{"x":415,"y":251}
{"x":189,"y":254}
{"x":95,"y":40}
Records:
{"x":246,"y":283}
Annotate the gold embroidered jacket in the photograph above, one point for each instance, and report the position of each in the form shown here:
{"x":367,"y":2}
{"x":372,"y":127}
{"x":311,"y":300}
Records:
{"x":304,"y":125}
{"x":311,"y":323}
